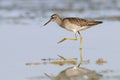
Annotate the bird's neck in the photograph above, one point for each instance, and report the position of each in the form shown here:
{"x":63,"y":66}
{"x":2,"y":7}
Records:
{"x":59,"y":21}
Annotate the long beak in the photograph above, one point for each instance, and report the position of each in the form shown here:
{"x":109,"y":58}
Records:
{"x":47,"y":22}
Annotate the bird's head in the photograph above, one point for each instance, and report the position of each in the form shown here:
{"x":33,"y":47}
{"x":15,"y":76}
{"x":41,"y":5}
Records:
{"x":53,"y":18}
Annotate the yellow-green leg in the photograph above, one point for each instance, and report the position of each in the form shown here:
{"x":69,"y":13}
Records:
{"x":81,"y":59}
{"x":75,"y":38}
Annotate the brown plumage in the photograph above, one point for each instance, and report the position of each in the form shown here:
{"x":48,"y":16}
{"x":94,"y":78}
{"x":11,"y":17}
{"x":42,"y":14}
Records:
{"x":73,"y":24}
{"x":81,"y":22}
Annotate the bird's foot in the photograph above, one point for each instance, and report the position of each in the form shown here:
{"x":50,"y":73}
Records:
{"x":62,"y":40}
{"x":66,"y":39}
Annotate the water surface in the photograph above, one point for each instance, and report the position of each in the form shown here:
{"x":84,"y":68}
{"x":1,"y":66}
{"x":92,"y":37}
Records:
{"x":23,"y":40}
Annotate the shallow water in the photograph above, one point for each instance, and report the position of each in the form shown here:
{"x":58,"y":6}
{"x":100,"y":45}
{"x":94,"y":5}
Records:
{"x":23,"y":39}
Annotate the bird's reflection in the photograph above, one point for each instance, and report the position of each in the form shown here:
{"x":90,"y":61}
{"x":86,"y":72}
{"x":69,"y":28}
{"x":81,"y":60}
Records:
{"x":76,"y":73}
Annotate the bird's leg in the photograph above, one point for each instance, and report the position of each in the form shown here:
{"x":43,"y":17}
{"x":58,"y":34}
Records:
{"x":81,"y":59}
{"x":75,"y":38}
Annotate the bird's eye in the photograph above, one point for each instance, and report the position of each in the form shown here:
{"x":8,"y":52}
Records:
{"x":53,"y":17}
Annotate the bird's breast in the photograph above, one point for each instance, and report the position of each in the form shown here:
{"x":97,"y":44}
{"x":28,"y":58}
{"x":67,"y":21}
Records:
{"x":74,"y":27}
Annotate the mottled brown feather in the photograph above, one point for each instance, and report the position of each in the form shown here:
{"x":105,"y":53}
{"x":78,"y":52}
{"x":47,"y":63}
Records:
{"x":81,"y":22}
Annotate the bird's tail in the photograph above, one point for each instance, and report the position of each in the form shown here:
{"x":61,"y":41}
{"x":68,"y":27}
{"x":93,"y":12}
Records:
{"x":92,"y":23}
{"x":98,"y":22}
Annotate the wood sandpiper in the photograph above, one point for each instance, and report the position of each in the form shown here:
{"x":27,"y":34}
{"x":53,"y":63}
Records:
{"x":73,"y":24}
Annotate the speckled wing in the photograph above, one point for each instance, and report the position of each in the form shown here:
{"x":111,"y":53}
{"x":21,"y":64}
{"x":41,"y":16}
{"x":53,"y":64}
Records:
{"x":81,"y":22}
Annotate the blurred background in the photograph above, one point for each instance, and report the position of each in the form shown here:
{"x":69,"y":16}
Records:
{"x":24,"y":39}
{"x":21,"y":10}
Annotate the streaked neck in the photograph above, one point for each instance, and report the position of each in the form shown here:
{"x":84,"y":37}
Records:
{"x":59,"y":21}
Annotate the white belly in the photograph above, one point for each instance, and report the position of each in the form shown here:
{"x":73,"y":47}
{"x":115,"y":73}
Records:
{"x":75,"y":28}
